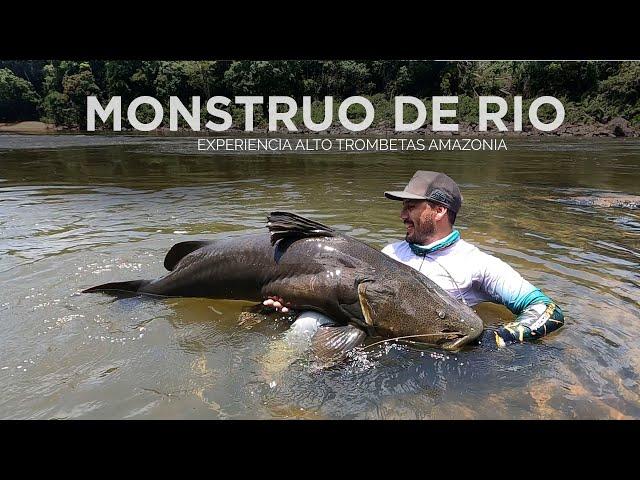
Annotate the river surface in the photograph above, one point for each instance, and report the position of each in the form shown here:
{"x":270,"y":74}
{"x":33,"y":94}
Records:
{"x":77,"y":211}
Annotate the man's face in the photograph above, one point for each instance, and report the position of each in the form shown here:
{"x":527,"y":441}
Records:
{"x":418,"y":217}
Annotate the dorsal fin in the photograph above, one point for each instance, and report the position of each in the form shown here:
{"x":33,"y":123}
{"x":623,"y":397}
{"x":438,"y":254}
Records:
{"x":181,"y":250}
{"x":289,"y":225}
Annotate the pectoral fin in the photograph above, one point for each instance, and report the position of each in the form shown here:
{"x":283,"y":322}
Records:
{"x":331,"y":344}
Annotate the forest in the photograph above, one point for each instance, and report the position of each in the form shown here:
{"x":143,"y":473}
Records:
{"x":55,"y":92}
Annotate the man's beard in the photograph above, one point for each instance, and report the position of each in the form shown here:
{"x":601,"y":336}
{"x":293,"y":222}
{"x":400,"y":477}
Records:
{"x":421,"y":234}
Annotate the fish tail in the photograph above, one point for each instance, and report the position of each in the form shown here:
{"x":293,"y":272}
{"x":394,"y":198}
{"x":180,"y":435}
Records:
{"x":131,"y":286}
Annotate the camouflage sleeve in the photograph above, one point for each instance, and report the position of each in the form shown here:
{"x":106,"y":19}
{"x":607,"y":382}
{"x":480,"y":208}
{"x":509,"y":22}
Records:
{"x":535,"y":321}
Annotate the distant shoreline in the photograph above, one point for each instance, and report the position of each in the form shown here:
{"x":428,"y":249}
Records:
{"x":617,"y":127}
{"x":28,"y":127}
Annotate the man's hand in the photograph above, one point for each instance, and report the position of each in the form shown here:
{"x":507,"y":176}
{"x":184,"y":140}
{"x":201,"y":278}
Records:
{"x":278,"y":303}
{"x":533,"y":323}
{"x":496,"y":337}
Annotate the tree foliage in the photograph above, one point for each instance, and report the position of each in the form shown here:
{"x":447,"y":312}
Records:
{"x":56,"y":91}
{"x":18,"y":99}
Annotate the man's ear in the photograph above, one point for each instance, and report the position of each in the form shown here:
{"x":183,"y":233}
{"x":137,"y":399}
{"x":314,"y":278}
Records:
{"x":441,"y":212}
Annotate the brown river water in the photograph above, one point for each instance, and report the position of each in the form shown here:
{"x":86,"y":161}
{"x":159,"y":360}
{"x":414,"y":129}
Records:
{"x":76,"y":211}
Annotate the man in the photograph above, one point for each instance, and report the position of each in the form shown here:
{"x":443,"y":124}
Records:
{"x":430,"y":203}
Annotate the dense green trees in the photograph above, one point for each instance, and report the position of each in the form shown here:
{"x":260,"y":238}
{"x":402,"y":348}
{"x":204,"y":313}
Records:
{"x":18,"y":99}
{"x":65,"y":88}
{"x":55,"y":91}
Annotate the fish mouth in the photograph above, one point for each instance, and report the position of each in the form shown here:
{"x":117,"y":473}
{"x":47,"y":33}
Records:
{"x":446,"y":339}
{"x":458,"y":341}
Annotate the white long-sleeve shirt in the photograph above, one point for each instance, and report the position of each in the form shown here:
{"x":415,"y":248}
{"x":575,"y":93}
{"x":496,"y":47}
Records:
{"x":469,"y":274}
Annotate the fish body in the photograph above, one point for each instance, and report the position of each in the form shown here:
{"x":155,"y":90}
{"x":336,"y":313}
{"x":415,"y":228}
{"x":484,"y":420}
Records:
{"x":316,"y":268}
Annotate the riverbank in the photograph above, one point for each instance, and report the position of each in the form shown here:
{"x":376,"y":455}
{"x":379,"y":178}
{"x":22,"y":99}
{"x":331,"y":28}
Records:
{"x":29,"y":127}
{"x":616,"y":127}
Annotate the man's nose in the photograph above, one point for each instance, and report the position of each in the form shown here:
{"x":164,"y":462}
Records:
{"x":404,"y":214}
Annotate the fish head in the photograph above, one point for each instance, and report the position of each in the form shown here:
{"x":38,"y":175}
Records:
{"x":413,"y":306}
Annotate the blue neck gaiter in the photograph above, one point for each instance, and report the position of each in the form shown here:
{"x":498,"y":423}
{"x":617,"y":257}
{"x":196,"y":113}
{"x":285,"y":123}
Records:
{"x":422,"y":250}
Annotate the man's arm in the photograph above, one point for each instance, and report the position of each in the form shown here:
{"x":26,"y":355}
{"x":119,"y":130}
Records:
{"x":536,"y":314}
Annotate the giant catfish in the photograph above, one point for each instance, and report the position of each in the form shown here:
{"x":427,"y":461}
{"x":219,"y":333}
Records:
{"x":314,"y":267}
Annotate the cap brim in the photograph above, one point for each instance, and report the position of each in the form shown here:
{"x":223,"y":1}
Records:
{"x":403,"y":196}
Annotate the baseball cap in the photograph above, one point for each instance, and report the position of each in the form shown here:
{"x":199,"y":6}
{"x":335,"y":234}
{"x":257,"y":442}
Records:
{"x":433,"y":186}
